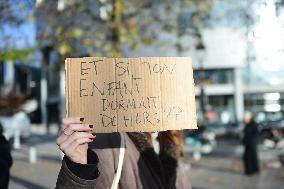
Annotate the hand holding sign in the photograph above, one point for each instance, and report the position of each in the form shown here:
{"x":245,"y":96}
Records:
{"x":131,"y":94}
{"x":74,"y":138}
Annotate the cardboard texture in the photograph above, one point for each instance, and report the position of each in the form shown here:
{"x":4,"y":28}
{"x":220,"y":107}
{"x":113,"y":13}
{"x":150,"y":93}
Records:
{"x":131,"y":94}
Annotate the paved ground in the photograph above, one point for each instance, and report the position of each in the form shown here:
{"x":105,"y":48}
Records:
{"x":224,"y":169}
{"x":221,"y":169}
{"x":39,"y":175}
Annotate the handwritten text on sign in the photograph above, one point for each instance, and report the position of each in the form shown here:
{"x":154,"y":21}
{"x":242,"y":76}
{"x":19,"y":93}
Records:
{"x":131,"y":94}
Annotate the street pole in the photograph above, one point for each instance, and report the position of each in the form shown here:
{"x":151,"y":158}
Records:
{"x":200,"y":49}
{"x":43,"y":99}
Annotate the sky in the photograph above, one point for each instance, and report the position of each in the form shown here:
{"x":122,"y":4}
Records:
{"x":267,"y":36}
{"x":19,"y":36}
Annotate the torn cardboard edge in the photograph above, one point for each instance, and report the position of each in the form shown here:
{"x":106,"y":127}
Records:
{"x":163,"y":85}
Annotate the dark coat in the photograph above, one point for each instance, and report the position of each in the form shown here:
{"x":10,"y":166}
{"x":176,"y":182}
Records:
{"x":250,"y":141}
{"x":5,"y":162}
{"x":137,"y":172}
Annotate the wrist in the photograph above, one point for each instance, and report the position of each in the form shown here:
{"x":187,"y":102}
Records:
{"x":87,"y":171}
{"x":81,"y":160}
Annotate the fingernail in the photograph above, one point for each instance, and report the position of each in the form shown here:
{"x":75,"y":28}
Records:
{"x":91,"y":126}
{"x":81,"y":119}
{"x":93,"y":134}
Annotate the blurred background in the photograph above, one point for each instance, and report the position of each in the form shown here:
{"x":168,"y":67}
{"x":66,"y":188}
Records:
{"x":238,"y":59}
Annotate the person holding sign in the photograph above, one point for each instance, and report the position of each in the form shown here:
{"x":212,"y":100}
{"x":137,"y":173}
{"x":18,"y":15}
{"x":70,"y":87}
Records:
{"x":118,"y":160}
{"x":124,"y":100}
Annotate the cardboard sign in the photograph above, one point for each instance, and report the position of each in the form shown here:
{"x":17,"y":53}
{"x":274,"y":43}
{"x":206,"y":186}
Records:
{"x":131,"y":94}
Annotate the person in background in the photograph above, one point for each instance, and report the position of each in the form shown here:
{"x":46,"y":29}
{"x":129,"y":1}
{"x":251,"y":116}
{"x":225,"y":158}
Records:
{"x":95,"y":161}
{"x":5,"y":160}
{"x":250,"y":141}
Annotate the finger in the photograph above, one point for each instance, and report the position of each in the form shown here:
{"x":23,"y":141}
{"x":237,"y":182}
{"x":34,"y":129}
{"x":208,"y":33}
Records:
{"x":72,"y":147}
{"x":68,"y":131}
{"x":73,"y":137}
{"x":77,"y":127}
{"x":71,"y":120}
{"x":60,"y":139}
{"x":67,"y":146}
{"x":64,"y":134}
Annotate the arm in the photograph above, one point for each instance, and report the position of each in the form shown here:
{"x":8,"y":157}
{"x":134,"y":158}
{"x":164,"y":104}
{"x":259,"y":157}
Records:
{"x":79,"y":166}
{"x":86,"y":154}
{"x":68,"y":180}
{"x":87,"y":171}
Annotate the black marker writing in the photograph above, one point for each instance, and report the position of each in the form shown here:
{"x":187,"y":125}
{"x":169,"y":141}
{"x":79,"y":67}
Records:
{"x":95,"y":62}
{"x":82,"y":89}
{"x":84,"y":68}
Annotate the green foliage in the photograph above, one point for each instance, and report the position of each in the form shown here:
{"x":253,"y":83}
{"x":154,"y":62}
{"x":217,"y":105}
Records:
{"x":109,"y":27}
{"x":15,"y":54}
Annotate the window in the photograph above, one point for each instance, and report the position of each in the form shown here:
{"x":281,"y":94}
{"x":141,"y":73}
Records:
{"x":220,"y":76}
